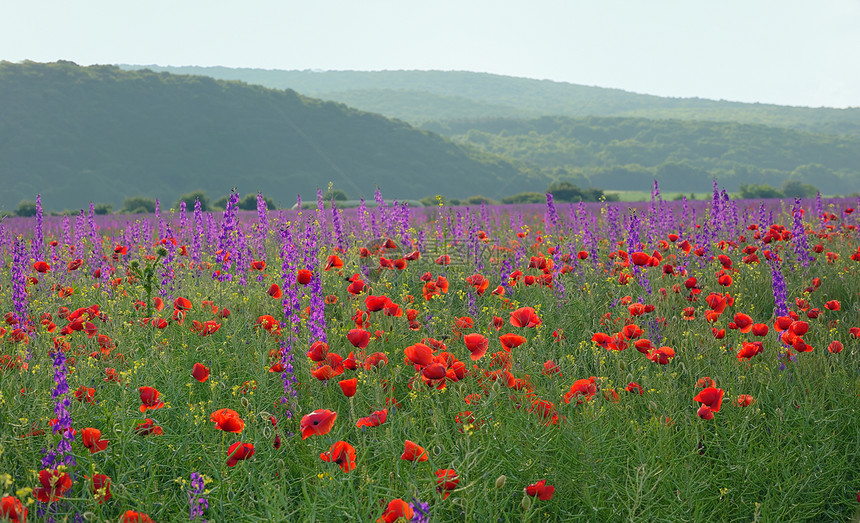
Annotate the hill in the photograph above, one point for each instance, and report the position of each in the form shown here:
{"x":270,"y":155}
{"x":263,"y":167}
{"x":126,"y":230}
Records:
{"x":629,"y":153}
{"x":99,"y":133}
{"x":394,"y":94}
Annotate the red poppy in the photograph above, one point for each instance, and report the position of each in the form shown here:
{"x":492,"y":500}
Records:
{"x":131,"y":516}
{"x":100,"y":488}
{"x":419,"y":354}
{"x":550,"y":368}
{"x":446,"y":480}
{"x":414,"y":452}
{"x":91,"y":439}
{"x":710,"y":397}
{"x":634,"y":387}
{"x":583,"y":390}
{"x":333,"y":262}
{"x":477,"y":345}
{"x":147,"y":428}
{"x":705,"y":413}
{"x":258,"y":265}
{"x":341,"y":453}
{"x":434,"y":371}
{"x":374,"y":420}
{"x":833,"y":305}
{"x":525,"y":317}
{"x":759,"y":329}
{"x":227,"y":420}
{"x":348,"y":387}
{"x":750,"y":349}
{"x":13,"y":510}
{"x":835,"y":347}
{"x":511,"y":341}
{"x":275,"y":291}
{"x":540,"y":489}
{"x":396,"y":509}
{"x":41,"y":266}
{"x":182,"y":304}
{"x":743,"y":322}
{"x":359,"y":338}
{"x":662,"y":355}
{"x":318,"y":423}
{"x":199,"y":372}
{"x":85,"y":394}
{"x":149,"y":399}
{"x":54,"y":485}
{"x":744,"y":400}
{"x":239,"y":451}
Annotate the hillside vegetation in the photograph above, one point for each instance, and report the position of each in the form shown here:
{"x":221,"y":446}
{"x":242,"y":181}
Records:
{"x":631,"y":152}
{"x":444,"y":94}
{"x":80,"y":134}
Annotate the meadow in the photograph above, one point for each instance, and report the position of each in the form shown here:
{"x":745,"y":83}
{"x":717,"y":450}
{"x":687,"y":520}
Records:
{"x":651,"y":361}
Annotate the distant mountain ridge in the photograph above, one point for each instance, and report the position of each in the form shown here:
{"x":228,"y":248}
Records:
{"x":79,"y":134}
{"x":392,"y":93}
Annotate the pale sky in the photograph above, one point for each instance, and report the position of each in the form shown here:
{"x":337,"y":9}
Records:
{"x":786,"y":52}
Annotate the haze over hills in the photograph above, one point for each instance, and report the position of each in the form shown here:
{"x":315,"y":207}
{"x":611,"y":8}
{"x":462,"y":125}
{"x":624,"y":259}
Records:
{"x":421,"y":96}
{"x":80,"y":134}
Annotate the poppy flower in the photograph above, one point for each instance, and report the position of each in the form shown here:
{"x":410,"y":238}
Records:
{"x":710,"y":397}
{"x":91,"y":439}
{"x":414,"y":452}
{"x":446,"y":480}
{"x":85,"y":394}
{"x":333,"y":262}
{"x":258,"y":265}
{"x":833,"y":305}
{"x":54,"y":485}
{"x":705,"y":413}
{"x":131,"y":516}
{"x":275,"y":291}
{"x":759,"y":329}
{"x":634,"y":388}
{"x":100,"y":488}
{"x":318,"y":423}
{"x":199,"y":372}
{"x":13,"y":510}
{"x":835,"y":347}
{"x":743,"y":322}
{"x":419,"y":354}
{"x":359,"y":338}
{"x":227,"y":420}
{"x":583,"y":390}
{"x":744,"y":400}
{"x":525,"y":317}
{"x":662,"y":355}
{"x":511,"y":341}
{"x":477,"y":345}
{"x":41,"y":266}
{"x":541,"y":490}
{"x":434,"y":371}
{"x":374,"y":420}
{"x":149,"y":399}
{"x":148,"y":427}
{"x":396,"y":509}
{"x":750,"y":349}
{"x":182,"y":304}
{"x":550,"y":368}
{"x":341,"y":453}
{"x":348,"y":387}
{"x":239,"y":451}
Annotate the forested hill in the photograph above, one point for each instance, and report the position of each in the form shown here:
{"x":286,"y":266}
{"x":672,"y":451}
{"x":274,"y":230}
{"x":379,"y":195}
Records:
{"x":80,"y":134}
{"x":448,"y":95}
{"x":630,"y":153}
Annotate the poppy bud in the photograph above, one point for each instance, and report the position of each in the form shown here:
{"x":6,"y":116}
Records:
{"x":500,"y":481}
{"x":526,"y":503}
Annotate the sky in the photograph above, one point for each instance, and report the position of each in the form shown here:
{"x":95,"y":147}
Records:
{"x":785,"y":52}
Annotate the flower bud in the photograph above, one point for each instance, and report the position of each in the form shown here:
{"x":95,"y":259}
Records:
{"x":500,"y":481}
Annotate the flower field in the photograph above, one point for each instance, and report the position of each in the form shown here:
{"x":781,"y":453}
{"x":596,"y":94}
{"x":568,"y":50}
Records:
{"x":662,"y":361}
